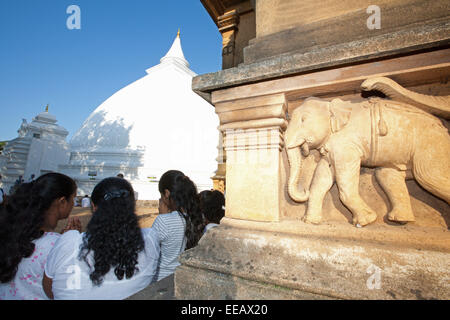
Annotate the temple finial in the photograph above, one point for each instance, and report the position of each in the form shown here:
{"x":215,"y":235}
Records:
{"x":46,"y":108}
{"x":175,"y":52}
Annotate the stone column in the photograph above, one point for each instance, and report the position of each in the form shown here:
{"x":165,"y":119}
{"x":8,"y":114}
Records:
{"x":228,"y":27}
{"x":253,"y":130}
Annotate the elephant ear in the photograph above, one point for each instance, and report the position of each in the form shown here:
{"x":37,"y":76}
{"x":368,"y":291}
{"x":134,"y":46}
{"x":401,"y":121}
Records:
{"x":340,"y":114}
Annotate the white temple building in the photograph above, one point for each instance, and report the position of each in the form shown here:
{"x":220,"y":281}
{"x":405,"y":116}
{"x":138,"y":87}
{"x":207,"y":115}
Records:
{"x":155,"y":124}
{"x":39,"y":148}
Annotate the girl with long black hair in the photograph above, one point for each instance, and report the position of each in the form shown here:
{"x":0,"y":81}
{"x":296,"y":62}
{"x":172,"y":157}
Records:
{"x":27,"y":234}
{"x":212,"y":204}
{"x":180,"y":221}
{"x":113,"y":259}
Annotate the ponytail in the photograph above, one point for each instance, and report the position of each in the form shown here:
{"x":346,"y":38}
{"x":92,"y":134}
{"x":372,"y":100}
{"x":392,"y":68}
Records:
{"x":183,"y":193}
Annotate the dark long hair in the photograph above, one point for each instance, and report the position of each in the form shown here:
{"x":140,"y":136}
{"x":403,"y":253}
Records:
{"x":211,"y":204}
{"x":113,"y":233}
{"x":183,"y":193}
{"x":22,"y":219}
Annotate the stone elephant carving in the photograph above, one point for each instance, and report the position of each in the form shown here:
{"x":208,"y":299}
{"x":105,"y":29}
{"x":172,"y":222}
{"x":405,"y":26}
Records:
{"x":397,"y":138}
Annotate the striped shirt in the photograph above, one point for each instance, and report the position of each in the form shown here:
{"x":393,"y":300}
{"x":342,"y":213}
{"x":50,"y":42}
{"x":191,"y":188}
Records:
{"x":171,"y":228}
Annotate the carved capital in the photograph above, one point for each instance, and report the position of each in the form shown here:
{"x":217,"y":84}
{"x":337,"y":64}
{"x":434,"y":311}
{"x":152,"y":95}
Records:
{"x":229,"y":21}
{"x":252,"y":113}
{"x":253,"y":123}
{"x":228,"y":26}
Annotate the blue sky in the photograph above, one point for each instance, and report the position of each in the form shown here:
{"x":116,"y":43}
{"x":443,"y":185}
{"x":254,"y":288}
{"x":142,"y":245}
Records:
{"x":43,"y":62}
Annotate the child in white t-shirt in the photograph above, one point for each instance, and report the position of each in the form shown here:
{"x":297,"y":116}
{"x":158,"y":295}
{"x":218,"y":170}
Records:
{"x":85,"y":202}
{"x":212,"y":204}
{"x":26,"y":228}
{"x":113,"y":259}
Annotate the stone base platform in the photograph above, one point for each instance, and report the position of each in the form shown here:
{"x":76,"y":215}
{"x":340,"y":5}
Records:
{"x":161,"y":290}
{"x":294,"y":260}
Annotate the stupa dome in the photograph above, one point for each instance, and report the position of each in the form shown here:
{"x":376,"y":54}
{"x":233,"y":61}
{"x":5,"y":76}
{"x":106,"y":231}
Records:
{"x":156,"y":123}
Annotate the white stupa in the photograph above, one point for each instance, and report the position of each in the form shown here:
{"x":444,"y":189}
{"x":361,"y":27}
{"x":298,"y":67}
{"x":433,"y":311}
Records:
{"x":155,"y":124}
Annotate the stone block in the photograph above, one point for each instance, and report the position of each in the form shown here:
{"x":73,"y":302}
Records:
{"x":293,"y":260}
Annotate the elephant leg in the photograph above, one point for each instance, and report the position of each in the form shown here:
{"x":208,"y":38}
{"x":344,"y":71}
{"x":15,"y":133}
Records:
{"x":431,"y":167}
{"x":347,"y":170}
{"x":393,"y":183}
{"x":320,"y":185}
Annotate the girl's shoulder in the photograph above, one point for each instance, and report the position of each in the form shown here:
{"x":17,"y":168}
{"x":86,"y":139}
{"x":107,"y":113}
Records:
{"x":151,"y":239}
{"x":72,"y":235}
{"x":63,"y":252}
{"x":171,"y":215}
{"x":171,"y":218}
{"x":69,"y":238}
{"x":149,"y":233}
{"x":168,"y":214}
{"x":165,"y":216}
{"x":48,"y":237}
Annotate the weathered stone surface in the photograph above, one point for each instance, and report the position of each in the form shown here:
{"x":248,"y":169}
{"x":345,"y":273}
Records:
{"x":161,"y":290}
{"x":274,"y":16}
{"x":398,"y":139}
{"x":343,"y":21}
{"x":232,"y":261}
{"x":332,"y":259}
{"x":399,"y":42}
{"x":429,"y":68}
{"x":212,"y":285}
{"x":266,"y":251}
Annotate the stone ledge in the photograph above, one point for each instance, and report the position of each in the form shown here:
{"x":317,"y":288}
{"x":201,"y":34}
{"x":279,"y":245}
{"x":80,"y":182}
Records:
{"x":387,"y":45}
{"x":161,"y":290}
{"x":307,"y":267}
{"x":349,"y":26}
{"x":211,"y":285}
{"x":405,"y":236}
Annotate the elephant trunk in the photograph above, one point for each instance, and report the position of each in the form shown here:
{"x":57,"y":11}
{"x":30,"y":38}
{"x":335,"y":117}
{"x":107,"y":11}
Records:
{"x":295,"y":163}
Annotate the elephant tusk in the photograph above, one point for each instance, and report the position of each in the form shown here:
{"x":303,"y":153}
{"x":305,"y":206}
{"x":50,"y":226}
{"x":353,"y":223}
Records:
{"x":305,"y":149}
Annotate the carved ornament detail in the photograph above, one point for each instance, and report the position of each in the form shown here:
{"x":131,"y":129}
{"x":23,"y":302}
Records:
{"x":399,"y":138}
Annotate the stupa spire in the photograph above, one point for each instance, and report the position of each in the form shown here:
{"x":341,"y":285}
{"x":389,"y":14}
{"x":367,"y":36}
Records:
{"x":175,"y":52}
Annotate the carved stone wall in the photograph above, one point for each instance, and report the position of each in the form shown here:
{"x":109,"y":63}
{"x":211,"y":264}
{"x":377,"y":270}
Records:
{"x":337,"y":22}
{"x":249,"y":104}
{"x":263,"y":249}
{"x":263,"y":224}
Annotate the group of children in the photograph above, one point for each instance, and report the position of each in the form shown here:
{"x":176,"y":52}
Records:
{"x":114,"y":258}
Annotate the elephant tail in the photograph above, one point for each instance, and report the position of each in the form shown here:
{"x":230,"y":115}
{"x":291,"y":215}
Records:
{"x":438,"y":106}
